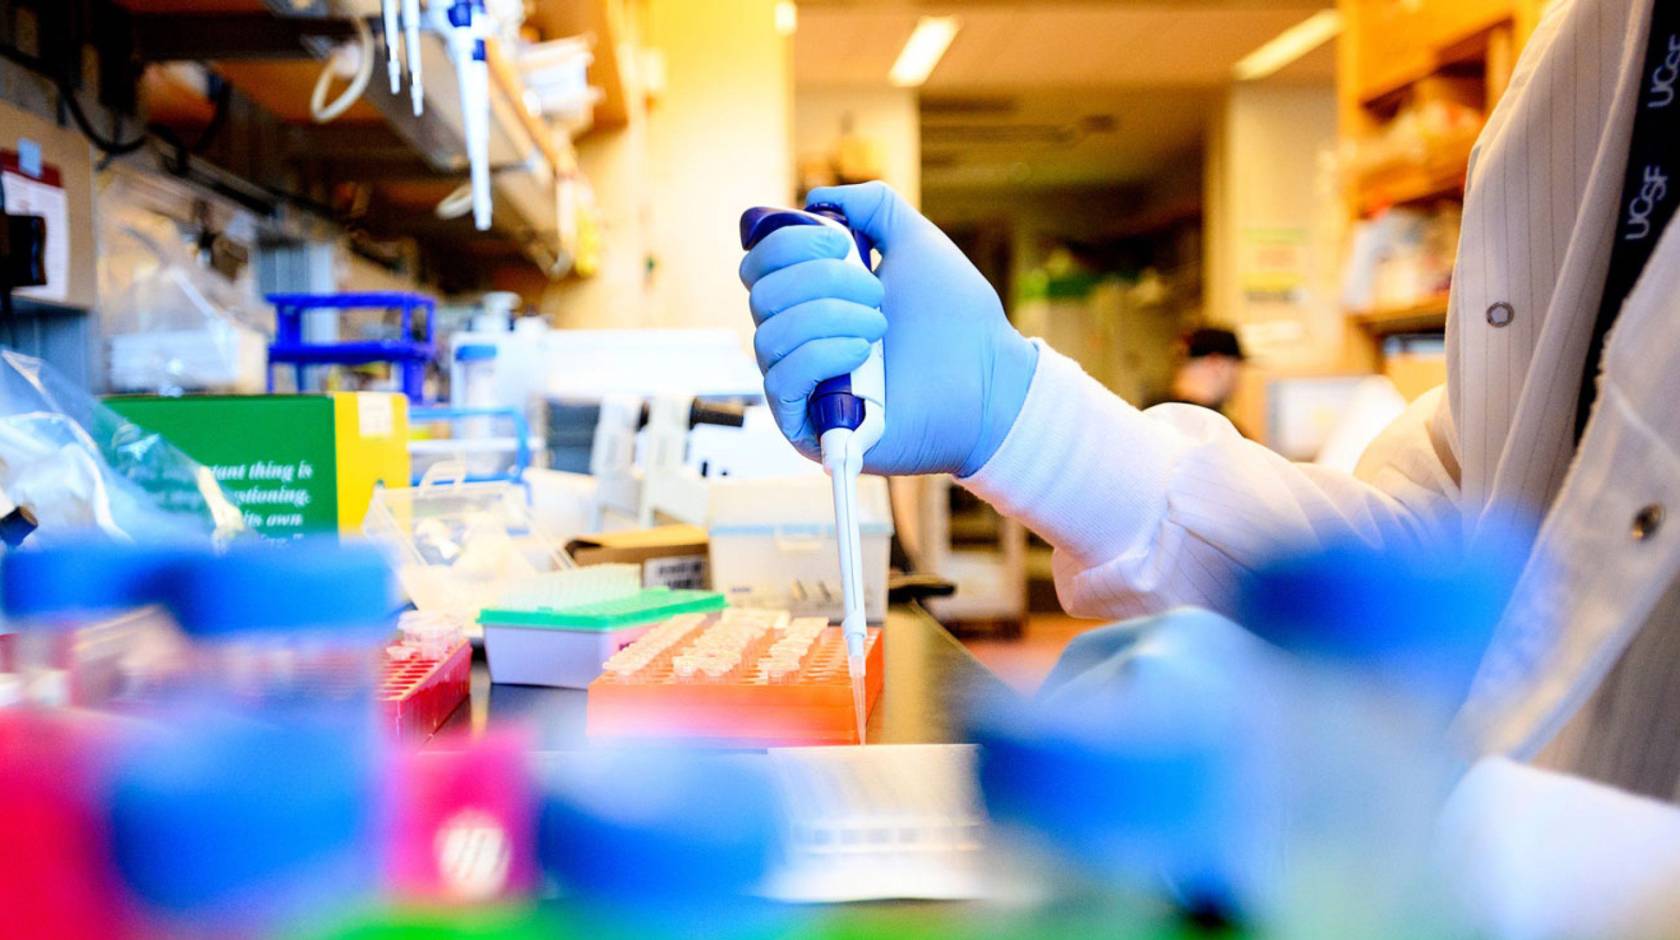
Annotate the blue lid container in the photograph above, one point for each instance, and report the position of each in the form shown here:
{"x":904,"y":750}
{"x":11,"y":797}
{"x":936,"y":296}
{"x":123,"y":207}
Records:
{"x":662,"y":843}
{"x":314,"y":586}
{"x":1421,"y":614}
{"x":1115,"y":798}
{"x":67,"y":582}
{"x":236,"y":823}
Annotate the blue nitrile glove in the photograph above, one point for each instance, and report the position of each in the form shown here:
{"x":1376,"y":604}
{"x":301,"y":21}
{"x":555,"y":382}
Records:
{"x":957,"y":372}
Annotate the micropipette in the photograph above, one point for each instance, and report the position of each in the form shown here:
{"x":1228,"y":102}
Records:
{"x":393,"y":42}
{"x":849,"y":415}
{"x":464,"y":25}
{"x":411,"y":45}
{"x":466,"y":20}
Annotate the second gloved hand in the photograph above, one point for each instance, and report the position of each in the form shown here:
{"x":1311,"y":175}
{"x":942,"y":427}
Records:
{"x":957,"y":372}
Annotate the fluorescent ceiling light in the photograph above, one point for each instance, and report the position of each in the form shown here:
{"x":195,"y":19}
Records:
{"x":787,"y":18}
{"x":1289,"y":45}
{"x":923,"y":50}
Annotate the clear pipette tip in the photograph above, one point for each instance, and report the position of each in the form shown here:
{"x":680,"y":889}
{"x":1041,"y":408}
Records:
{"x":855,"y":666}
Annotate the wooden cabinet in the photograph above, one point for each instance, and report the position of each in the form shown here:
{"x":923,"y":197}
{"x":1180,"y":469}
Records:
{"x":1416,"y":80}
{"x":1397,"y":42}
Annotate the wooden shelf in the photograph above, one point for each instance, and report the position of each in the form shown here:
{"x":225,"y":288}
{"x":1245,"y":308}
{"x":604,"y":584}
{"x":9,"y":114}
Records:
{"x":1395,"y":44}
{"x":1439,"y":174}
{"x":505,"y":76}
{"x":1396,"y":58}
{"x":1426,"y":315}
{"x":604,"y":21}
{"x":403,"y":164}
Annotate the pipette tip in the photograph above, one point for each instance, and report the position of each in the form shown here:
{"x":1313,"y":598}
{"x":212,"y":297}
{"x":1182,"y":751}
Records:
{"x":855,"y":666}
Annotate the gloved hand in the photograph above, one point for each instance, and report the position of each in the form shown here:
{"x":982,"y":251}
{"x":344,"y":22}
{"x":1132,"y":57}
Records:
{"x":957,"y":372}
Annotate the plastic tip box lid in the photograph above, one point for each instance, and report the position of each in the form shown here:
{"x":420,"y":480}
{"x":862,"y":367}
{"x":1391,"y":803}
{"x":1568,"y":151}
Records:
{"x":655,"y":603}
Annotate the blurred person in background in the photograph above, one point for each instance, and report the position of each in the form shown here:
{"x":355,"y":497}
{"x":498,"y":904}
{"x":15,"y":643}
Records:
{"x":1209,"y":370}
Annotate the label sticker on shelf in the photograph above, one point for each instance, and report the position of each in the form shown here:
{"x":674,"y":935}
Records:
{"x":45,"y":198}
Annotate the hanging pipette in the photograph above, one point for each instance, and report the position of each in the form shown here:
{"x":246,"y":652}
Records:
{"x":411,"y":45}
{"x":464,"y":25}
{"x":467,"y":31}
{"x":391,"y":10}
{"x":849,"y":415}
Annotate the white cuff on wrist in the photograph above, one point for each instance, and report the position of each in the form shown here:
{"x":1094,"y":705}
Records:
{"x":1081,"y":467}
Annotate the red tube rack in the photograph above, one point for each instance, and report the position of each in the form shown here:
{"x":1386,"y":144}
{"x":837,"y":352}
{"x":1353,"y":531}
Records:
{"x":418,"y":695}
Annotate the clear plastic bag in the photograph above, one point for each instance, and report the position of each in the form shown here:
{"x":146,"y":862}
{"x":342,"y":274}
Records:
{"x":174,"y":323}
{"x":81,"y":469}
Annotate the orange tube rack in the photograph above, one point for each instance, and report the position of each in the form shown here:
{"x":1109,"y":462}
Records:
{"x":743,"y":708}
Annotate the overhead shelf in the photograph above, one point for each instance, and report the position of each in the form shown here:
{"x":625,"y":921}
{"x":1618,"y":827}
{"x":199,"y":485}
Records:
{"x":604,"y":22}
{"x":272,"y":51}
{"x":1439,"y":172}
{"x":1427,"y":315}
{"x":1396,"y":44}
{"x":1415,"y":82}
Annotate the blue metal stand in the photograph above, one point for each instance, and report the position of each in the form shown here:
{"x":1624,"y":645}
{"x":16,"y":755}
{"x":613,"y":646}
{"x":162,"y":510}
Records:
{"x":408,"y":355}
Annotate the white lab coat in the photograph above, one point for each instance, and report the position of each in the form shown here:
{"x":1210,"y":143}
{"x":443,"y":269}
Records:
{"x":1149,"y":510}
{"x":1152,"y":510}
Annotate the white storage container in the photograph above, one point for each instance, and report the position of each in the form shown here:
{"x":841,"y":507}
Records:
{"x":773,"y":544}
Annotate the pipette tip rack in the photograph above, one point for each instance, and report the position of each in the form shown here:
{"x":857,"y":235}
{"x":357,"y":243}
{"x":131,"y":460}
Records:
{"x":419,"y":694}
{"x":736,"y":679}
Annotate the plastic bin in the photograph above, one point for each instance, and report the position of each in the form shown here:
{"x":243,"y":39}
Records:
{"x":773,"y":544}
{"x":566,"y":648}
{"x":87,"y":633}
{"x":457,"y":547}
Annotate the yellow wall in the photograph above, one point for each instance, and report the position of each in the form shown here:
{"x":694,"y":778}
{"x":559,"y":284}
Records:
{"x":719,"y":142}
{"x":616,"y":164}
{"x":672,"y":184}
{"x":1270,"y":174}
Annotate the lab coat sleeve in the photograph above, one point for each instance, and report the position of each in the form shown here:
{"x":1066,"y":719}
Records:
{"x":1530,"y":854}
{"x":1148,"y":510}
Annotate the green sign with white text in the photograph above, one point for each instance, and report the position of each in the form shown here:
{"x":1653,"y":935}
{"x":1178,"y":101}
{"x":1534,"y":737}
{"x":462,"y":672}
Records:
{"x":275,"y":456}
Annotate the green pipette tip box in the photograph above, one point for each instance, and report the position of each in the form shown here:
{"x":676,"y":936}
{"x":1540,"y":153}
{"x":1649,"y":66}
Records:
{"x":566,"y":647}
{"x":654,"y":603}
